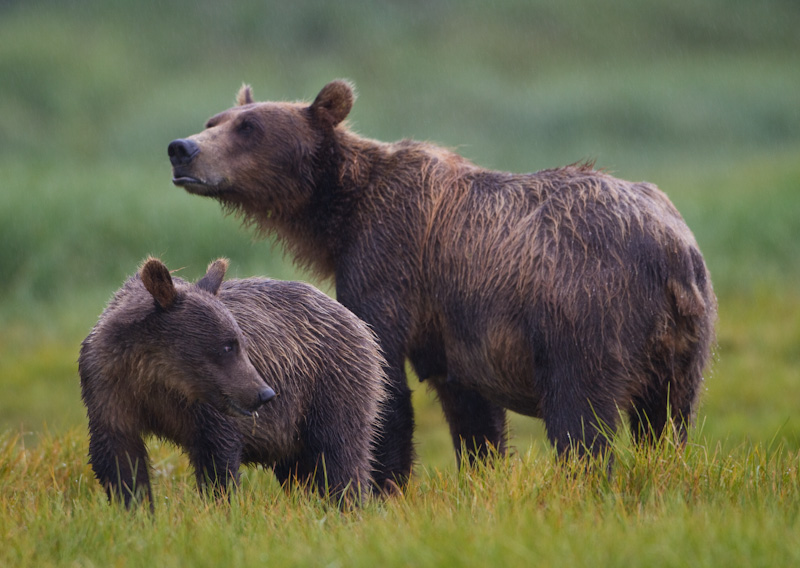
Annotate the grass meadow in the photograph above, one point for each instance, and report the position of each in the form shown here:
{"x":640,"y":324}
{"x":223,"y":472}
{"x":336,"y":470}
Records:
{"x":698,"y":97}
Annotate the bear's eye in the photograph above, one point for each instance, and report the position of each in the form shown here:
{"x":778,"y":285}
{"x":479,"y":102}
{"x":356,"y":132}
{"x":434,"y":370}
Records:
{"x":229,"y":347}
{"x":245,"y":128}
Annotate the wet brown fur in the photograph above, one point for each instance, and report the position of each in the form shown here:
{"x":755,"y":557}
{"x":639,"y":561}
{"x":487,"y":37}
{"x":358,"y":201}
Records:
{"x":566,"y":294}
{"x":155,"y":365}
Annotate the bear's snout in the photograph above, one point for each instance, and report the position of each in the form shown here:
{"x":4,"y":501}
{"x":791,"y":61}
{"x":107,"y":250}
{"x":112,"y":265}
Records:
{"x":237,"y":405}
{"x":182,"y":152}
{"x":265,"y":396}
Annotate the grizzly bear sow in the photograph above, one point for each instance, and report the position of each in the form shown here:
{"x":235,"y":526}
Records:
{"x":253,"y":371}
{"x":565,"y":294}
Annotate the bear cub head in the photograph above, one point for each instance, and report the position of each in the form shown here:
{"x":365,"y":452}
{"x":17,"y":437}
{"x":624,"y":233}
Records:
{"x":176,"y":337}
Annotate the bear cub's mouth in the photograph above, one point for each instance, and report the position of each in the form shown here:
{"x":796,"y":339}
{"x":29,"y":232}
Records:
{"x":234,"y":409}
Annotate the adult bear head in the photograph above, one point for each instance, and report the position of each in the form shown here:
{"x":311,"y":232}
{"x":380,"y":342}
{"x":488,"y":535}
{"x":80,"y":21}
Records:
{"x":263,"y":159}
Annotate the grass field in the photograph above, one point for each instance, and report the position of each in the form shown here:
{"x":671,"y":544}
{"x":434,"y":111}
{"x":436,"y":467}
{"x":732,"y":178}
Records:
{"x":701,"y":507}
{"x":699,"y":97}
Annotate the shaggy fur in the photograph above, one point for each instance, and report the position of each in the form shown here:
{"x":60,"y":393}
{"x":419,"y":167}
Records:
{"x":193,"y":363}
{"x":565,"y":294}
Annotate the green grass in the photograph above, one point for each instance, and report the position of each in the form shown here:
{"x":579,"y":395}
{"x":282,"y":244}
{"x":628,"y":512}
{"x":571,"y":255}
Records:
{"x":661,"y":507}
{"x":698,"y":97}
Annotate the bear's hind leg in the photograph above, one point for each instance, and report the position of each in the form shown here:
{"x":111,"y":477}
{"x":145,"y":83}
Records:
{"x":672,"y":399}
{"x":325,"y":473}
{"x":677,"y":356}
{"x":648,"y":415}
{"x":476,"y":425}
{"x":580,"y":427}
{"x":293,"y":474}
{"x":580,"y":416}
{"x":337,"y":451}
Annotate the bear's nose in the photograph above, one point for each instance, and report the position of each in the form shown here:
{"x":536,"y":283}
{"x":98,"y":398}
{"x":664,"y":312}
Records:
{"x":266,"y":395}
{"x":181,"y":151}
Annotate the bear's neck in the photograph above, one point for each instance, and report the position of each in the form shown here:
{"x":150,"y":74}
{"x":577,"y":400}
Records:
{"x":353,"y":179}
{"x":316,"y":234}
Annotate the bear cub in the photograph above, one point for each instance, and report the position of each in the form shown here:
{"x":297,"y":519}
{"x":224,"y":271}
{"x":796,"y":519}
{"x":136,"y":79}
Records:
{"x":253,"y":371}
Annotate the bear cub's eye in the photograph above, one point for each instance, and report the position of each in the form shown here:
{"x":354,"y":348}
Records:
{"x":230,"y":347}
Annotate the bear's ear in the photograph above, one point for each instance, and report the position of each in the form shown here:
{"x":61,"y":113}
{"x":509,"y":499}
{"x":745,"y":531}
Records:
{"x":156,"y":278}
{"x":245,"y":95}
{"x":333,"y":103}
{"x":214,"y":275}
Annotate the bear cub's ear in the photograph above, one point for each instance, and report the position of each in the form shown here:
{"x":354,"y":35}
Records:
{"x":245,"y":95}
{"x":214,"y":276}
{"x":157,"y":280}
{"x":333,"y":103}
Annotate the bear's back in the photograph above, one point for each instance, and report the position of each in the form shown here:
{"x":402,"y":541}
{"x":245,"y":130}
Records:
{"x":298,"y":331}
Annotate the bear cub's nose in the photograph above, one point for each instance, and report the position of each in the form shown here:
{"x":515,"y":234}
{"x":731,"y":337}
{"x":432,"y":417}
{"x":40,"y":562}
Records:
{"x":181,"y":151}
{"x":266,"y":395}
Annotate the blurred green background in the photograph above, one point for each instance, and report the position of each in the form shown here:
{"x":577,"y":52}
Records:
{"x":701,"y":97}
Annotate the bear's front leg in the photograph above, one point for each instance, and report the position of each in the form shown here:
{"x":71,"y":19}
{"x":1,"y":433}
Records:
{"x":120,"y":464}
{"x":215,"y":451}
{"x":394,"y":451}
{"x":393,"y":454}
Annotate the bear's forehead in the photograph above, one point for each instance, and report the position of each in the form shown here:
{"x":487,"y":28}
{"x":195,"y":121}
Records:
{"x":202,"y":306}
{"x":267,"y":110}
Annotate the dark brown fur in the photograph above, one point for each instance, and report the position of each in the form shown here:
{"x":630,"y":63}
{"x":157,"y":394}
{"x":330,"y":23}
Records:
{"x":565,"y":294}
{"x":193,"y":363}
